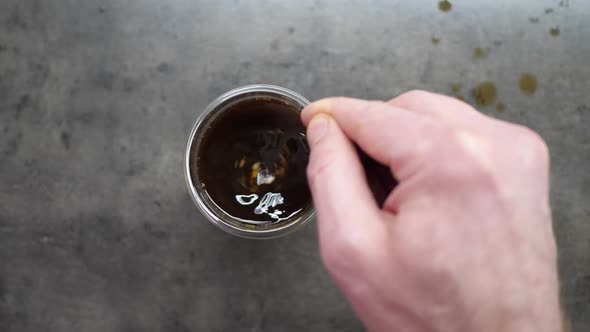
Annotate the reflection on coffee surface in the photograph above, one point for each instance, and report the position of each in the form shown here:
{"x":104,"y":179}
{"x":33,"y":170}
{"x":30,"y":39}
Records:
{"x":252,"y":159}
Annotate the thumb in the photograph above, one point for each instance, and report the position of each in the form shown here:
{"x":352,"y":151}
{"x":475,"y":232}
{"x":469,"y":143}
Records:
{"x":345,"y":206}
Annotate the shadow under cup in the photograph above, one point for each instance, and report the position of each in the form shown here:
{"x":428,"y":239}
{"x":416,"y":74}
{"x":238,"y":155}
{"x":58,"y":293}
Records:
{"x":246,"y":160}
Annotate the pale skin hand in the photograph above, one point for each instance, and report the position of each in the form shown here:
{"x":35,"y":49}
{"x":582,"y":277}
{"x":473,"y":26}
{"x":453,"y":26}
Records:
{"x":463,"y":243}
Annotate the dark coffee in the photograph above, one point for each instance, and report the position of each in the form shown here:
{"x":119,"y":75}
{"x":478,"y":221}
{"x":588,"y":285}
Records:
{"x":251,"y":161}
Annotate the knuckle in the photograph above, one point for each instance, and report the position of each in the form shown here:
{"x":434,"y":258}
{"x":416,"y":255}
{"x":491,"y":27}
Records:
{"x":416,"y":94}
{"x":366,"y":123}
{"x":371,"y":106}
{"x":534,"y":143}
{"x":528,"y":148}
{"x":466,"y":159}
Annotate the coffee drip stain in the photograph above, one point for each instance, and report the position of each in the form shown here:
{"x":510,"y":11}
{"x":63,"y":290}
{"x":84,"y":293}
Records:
{"x":484,"y":94}
{"x":445,"y":6}
{"x":528,"y":84}
{"x":479,"y":53}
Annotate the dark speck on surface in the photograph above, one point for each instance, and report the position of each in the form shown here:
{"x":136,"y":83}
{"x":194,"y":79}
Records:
{"x":135,"y":168}
{"x":165,"y":68}
{"x":65,"y":139}
{"x":549,"y":10}
{"x":105,"y":79}
{"x":2,"y":289}
{"x":79,"y":248}
{"x":554,"y":31}
{"x":12,"y":144}
{"x":84,"y":118}
{"x":583,"y":288}
{"x":159,"y":234}
{"x":274,"y":45}
{"x":174,"y":323}
{"x":191,"y":256}
{"x":26,"y":281}
{"x":16,"y":20}
{"x":291,"y":30}
{"x":534,"y":19}
{"x":435,"y":40}
{"x":130,"y":85}
{"x":22,"y":104}
{"x":286,"y":65}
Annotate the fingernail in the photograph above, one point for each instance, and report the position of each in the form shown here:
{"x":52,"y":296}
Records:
{"x":317,"y":128}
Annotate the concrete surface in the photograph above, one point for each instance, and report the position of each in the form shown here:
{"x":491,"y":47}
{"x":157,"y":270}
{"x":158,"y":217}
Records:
{"x":97,"y":232}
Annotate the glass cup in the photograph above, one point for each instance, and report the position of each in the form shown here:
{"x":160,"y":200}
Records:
{"x":203,"y":201}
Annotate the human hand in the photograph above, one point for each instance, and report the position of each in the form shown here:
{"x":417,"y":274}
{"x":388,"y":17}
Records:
{"x":463,"y":243}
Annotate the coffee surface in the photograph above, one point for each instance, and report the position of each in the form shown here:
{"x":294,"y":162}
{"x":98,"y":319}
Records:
{"x":252,"y":159}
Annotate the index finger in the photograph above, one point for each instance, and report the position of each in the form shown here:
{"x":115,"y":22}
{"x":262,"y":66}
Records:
{"x":393,"y":136}
{"x":447,"y":109}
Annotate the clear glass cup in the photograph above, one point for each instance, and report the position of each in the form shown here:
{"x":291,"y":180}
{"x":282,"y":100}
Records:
{"x":206,"y":205}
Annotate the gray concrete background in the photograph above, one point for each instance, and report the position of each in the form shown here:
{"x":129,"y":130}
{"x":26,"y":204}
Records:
{"x":97,"y":232}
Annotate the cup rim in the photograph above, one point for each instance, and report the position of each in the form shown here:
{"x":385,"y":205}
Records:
{"x":197,"y":198}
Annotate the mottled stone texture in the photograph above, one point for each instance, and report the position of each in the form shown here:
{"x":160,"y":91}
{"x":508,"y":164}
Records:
{"x":97,"y":232}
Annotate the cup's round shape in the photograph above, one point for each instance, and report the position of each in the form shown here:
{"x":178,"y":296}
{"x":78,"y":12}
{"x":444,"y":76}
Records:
{"x":240,"y":201}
